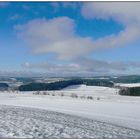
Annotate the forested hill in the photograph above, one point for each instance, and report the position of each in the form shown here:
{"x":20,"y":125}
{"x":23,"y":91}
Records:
{"x":126,"y":79}
{"x":63,"y":84}
{"x":3,"y":86}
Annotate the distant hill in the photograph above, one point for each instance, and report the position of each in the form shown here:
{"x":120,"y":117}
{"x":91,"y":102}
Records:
{"x":63,"y":84}
{"x":3,"y":86}
{"x":126,"y":79}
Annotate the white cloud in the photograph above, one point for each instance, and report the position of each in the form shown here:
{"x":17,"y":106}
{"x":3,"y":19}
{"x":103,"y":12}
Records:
{"x":66,"y":4}
{"x":127,"y":13}
{"x":85,"y":66}
{"x":124,"y":12}
{"x":70,"y":4}
{"x":16,"y":73}
{"x":55,"y":35}
{"x":58,"y":36}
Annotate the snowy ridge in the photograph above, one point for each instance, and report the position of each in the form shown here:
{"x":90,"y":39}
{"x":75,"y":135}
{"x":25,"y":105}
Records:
{"x":128,"y":85}
{"x":82,"y":87}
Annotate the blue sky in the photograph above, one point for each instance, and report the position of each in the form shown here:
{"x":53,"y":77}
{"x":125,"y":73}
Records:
{"x":70,"y":38}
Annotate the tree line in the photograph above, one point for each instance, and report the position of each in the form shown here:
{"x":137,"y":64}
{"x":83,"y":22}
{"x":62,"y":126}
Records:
{"x":130,"y":91}
{"x":63,"y":84}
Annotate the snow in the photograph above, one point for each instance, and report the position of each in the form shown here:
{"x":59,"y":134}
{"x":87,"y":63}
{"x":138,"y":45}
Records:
{"x":84,"y":87}
{"x":128,"y":85}
{"x":19,"y":122}
{"x":90,"y":90}
{"x":114,"y":77}
{"x":111,"y":108}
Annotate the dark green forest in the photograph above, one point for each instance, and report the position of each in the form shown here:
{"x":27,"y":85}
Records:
{"x":131,"y":91}
{"x":3,"y":86}
{"x":63,"y":84}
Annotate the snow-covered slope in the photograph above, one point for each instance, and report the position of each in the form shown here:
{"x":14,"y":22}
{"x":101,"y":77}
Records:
{"x":128,"y":85}
{"x":90,"y":90}
{"x":19,"y":122}
{"x":80,"y":87}
{"x":112,"y":108}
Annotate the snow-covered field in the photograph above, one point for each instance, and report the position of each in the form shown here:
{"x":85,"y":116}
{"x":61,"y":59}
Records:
{"x":128,"y":85}
{"x":19,"y":122}
{"x":106,"y":106}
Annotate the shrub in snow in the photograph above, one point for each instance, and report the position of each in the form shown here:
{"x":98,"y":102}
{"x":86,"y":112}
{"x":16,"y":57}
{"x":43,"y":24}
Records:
{"x":98,"y":98}
{"x":47,"y":93}
{"x":61,"y":94}
{"x":37,"y":93}
{"x":82,"y":97}
{"x":73,"y":95}
{"x":90,"y":97}
{"x":44,"y":93}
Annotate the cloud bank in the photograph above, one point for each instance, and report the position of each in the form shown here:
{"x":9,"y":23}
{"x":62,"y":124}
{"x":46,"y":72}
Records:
{"x":126,"y":13}
{"x":123,"y":12}
{"x":58,"y":36}
{"x":85,"y":66}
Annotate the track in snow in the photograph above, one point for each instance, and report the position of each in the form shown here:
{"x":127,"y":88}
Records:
{"x":21,"y":122}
